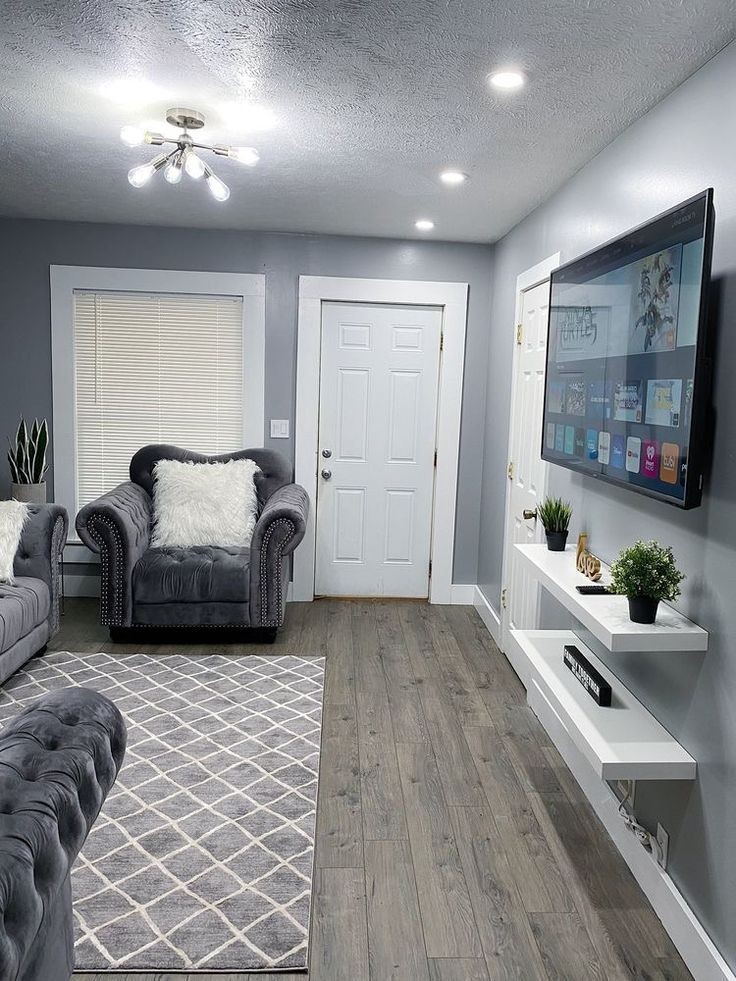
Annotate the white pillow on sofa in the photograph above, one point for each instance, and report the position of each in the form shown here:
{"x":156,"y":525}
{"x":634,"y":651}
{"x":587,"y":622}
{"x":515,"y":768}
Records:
{"x":204,"y":503}
{"x":13,"y":516}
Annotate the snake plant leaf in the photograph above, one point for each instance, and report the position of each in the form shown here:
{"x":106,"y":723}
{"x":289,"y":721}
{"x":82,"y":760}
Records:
{"x":38,"y":465}
{"x":21,"y":458}
{"x":21,"y":437}
{"x":13,"y":468}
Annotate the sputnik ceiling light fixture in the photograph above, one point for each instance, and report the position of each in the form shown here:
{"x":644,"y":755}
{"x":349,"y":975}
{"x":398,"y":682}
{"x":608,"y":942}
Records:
{"x":184,"y":156}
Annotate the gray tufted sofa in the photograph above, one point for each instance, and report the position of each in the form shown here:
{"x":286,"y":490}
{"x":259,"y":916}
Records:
{"x":58,"y":760}
{"x":29,"y":609}
{"x":202,"y":586}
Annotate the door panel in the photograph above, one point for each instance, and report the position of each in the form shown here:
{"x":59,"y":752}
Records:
{"x":399,"y":526}
{"x":404,"y":408}
{"x":349,"y":518}
{"x":352,"y":414}
{"x":379,"y":376}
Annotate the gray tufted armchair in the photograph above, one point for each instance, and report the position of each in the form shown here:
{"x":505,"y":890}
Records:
{"x":200,"y":586}
{"x":58,"y":760}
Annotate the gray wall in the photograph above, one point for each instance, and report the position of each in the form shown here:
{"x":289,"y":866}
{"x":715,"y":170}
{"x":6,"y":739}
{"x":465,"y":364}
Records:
{"x":686,"y":143}
{"x":28,"y":248}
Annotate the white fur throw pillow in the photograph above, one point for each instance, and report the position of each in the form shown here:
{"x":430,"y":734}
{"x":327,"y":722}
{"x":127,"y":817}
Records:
{"x":13,"y":516}
{"x":204,"y":503}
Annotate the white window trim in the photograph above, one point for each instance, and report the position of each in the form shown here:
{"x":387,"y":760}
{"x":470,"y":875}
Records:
{"x":65,"y":280}
{"x":453,"y":298}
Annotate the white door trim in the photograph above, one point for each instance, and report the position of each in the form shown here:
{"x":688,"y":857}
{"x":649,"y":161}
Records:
{"x":524,"y":281}
{"x":453,"y":298}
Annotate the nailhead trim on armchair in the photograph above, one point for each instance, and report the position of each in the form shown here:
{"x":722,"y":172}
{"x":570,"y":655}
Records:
{"x":108,"y":617}
{"x":271,"y":621}
{"x":58,"y":539}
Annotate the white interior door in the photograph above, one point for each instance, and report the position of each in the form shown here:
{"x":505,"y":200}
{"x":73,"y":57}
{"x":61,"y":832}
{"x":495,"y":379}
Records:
{"x":527,"y":470}
{"x":379,"y":373}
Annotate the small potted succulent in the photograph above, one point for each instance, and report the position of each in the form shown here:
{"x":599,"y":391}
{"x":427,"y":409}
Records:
{"x":27,"y":459}
{"x":555,"y":515}
{"x":646,"y":573}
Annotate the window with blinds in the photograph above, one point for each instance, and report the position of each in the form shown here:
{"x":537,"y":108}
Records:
{"x":153,"y":368}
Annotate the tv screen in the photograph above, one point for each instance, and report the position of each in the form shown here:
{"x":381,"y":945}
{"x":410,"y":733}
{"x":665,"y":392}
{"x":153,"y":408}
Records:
{"x":626,"y":390}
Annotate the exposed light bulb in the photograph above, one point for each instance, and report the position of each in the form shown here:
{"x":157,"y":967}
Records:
{"x":142,"y":174}
{"x":173,"y":170}
{"x":132,"y":135}
{"x":219,"y":189}
{"x":194,"y":165}
{"x":244,"y":154}
{"x":424,"y":225}
{"x":506,"y":79}
{"x":453,"y":177}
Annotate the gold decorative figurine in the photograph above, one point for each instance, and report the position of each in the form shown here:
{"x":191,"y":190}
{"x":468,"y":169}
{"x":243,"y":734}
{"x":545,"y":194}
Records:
{"x":587,"y":563}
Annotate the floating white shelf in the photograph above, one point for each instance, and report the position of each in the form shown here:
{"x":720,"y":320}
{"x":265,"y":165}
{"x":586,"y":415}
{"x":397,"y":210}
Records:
{"x":607,"y":617}
{"x":622,"y":742}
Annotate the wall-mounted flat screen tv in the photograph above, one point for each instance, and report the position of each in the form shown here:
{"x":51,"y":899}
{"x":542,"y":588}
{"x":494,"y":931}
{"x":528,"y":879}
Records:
{"x":627,"y":384}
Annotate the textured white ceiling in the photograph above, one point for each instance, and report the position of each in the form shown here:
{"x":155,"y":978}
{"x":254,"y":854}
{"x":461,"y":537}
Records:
{"x":372,"y":99}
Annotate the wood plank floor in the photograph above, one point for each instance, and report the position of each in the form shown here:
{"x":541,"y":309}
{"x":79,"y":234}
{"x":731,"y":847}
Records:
{"x":452,"y":842}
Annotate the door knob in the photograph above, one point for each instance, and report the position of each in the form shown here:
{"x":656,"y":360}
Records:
{"x":326,"y":474}
{"x":327,"y":454}
{"x":526,"y":513}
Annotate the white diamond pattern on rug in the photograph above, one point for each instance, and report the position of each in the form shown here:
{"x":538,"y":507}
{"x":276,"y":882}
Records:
{"x":201,"y":859}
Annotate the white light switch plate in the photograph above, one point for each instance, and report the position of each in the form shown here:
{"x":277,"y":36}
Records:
{"x":279,"y":429}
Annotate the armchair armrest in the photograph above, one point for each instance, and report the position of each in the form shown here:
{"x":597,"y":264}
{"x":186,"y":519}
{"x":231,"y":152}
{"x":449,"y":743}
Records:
{"x":41,"y":544}
{"x":279,"y":529}
{"x":118,"y":526}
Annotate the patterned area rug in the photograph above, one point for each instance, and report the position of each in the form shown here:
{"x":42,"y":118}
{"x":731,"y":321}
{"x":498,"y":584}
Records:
{"x":202,"y":857}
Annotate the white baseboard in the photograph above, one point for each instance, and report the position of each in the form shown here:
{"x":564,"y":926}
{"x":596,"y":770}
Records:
{"x":686,"y":931}
{"x":487,"y":614}
{"x":461,"y":594}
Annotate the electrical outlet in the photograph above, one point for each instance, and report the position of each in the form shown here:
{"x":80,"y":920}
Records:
{"x":663,"y":844}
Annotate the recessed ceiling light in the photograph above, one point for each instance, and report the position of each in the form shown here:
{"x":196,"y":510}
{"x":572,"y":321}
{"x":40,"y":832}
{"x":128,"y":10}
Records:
{"x":506,"y":79}
{"x":453,"y":177}
{"x":247,"y":118}
{"x":424,"y":225}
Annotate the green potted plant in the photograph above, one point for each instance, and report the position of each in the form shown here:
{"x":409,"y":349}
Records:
{"x":646,"y":573}
{"x":555,"y":514}
{"x":27,"y":459}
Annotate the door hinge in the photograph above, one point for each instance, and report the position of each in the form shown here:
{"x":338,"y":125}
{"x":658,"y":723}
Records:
{"x":435,"y":458}
{"x":504,"y":597}
{"x":510,"y":470}
{"x":430,"y":568}
{"x":442,"y":342}
{"x":519,"y":333}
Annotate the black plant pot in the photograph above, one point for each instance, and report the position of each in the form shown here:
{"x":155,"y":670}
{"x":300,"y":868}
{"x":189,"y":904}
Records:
{"x":556,"y":540}
{"x":643,"y":609}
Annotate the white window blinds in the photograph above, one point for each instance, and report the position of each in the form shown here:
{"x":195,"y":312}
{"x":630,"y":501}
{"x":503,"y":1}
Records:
{"x":153,"y":368}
